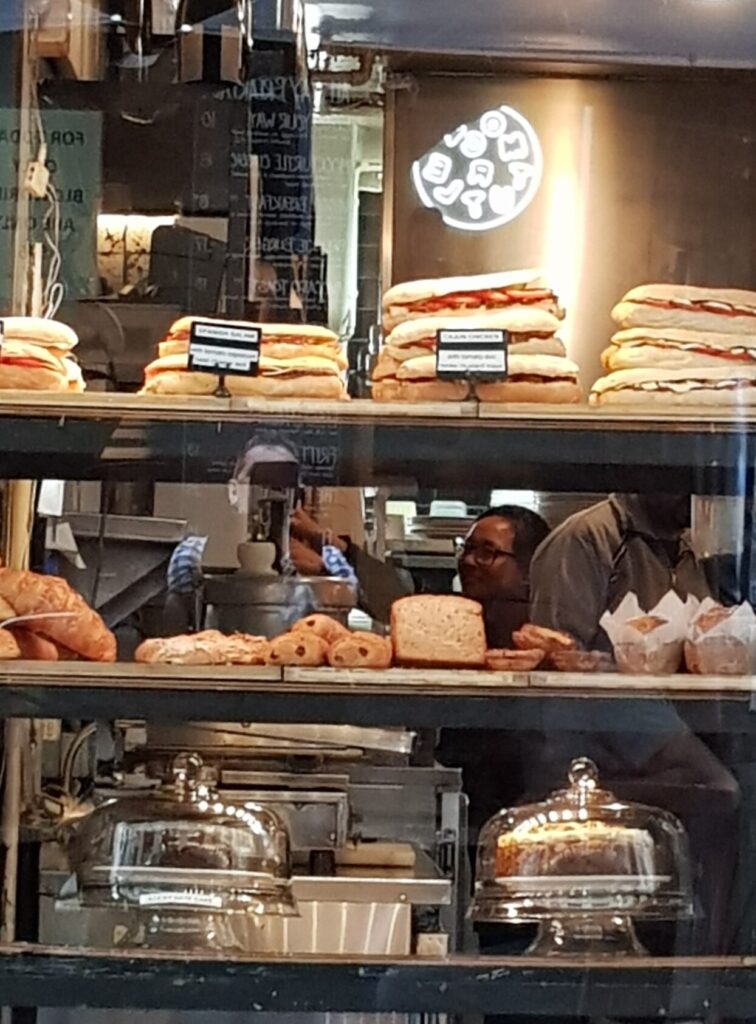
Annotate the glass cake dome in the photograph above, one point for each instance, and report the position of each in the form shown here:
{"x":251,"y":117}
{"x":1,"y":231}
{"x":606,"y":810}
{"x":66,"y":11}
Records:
{"x":584,"y":863}
{"x":184,"y":859}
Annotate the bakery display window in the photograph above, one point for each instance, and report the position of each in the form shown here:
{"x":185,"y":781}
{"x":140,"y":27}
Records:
{"x":377,"y":626}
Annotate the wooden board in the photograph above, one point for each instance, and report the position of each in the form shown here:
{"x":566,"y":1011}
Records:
{"x":626,"y":685}
{"x":47,"y":403}
{"x":356,"y":408}
{"x":622,"y":417}
{"x":406,"y":678}
{"x":69,"y":674}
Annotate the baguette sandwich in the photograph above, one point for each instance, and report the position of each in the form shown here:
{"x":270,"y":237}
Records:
{"x":688,"y":308}
{"x":728,"y":385}
{"x":462,"y":296}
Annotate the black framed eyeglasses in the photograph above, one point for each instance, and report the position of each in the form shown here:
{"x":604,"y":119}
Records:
{"x":482,"y":554}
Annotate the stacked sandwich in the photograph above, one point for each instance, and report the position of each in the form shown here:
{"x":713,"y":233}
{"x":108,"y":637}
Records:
{"x":36,"y":355}
{"x":515,"y":302}
{"x":296,"y":361}
{"x":682,"y":345}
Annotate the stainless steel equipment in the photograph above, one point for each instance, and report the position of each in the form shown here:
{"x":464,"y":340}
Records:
{"x":269,"y":605}
{"x":376,"y":844}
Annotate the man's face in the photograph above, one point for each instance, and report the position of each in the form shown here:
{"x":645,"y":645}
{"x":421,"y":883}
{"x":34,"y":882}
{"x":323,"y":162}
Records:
{"x":488,"y":569}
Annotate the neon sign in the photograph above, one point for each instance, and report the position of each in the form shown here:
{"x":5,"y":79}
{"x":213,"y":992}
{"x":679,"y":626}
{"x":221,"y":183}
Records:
{"x":482,"y":174}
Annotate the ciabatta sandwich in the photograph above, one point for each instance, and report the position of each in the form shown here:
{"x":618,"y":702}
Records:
{"x":417,"y":383}
{"x":36,"y":355}
{"x":688,"y":308}
{"x":278,"y":341}
{"x":531,"y":331}
{"x":462,"y":296}
{"x":303,"y":377}
{"x":707,"y":385}
{"x":645,"y":347}
{"x":549,"y":379}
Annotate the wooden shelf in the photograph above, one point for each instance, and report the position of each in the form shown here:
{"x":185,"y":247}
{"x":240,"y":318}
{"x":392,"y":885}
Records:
{"x":674,"y":988}
{"x":396,"y":697}
{"x":104,"y":435}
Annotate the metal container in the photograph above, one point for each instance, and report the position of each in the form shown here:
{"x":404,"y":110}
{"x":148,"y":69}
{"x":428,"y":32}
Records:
{"x":270,"y":605}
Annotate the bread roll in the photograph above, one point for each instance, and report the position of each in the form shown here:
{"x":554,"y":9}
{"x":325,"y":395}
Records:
{"x":210,"y":647}
{"x":531,"y":637}
{"x":361,"y":650}
{"x":306,"y":649}
{"x":438,"y":631}
{"x":8,"y":646}
{"x":514,"y":661}
{"x":82,"y":630}
{"x":323,"y":626}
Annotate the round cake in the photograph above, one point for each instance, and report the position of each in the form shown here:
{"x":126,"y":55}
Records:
{"x":575,"y":848}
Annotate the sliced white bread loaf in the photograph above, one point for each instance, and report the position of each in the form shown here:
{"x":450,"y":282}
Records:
{"x":438,"y":631}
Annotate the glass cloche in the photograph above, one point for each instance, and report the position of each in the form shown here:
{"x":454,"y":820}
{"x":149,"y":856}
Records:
{"x":185,"y":860}
{"x":583,"y":864}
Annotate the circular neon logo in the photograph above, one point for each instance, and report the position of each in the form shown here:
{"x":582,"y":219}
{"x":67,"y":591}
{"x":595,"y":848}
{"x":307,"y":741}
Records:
{"x":482,"y":174}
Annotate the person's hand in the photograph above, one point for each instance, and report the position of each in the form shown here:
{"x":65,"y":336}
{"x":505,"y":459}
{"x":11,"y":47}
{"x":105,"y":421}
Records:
{"x":304,"y":528}
{"x":306,"y":561}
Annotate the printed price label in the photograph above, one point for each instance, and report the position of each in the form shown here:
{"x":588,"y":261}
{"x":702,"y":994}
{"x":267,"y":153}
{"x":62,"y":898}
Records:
{"x":224,"y":348}
{"x":462,"y":354}
{"x":201,"y":900}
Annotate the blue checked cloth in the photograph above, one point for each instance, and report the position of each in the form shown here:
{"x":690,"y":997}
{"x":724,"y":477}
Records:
{"x":336,"y":564}
{"x":185,"y":567}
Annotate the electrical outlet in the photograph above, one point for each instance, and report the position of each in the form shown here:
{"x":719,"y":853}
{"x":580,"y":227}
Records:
{"x":37,"y":180}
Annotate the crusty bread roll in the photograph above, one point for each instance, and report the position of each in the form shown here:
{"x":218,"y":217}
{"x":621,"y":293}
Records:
{"x":361,"y":650}
{"x":34,"y":646}
{"x":391,"y":390}
{"x":531,"y":638}
{"x":82,"y":630}
{"x":323,"y":626}
{"x":305,"y":649}
{"x":514,"y":661}
{"x":559,"y":392}
{"x":209,"y":647}
{"x":438,"y":630}
{"x":8,"y":645}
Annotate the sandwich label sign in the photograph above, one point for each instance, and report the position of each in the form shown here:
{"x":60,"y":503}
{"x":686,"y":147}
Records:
{"x":462,"y":354}
{"x":224,"y":348}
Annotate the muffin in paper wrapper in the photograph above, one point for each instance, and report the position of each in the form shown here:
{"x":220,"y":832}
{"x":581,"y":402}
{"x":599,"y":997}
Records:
{"x":658,"y":651}
{"x":728,"y":647}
